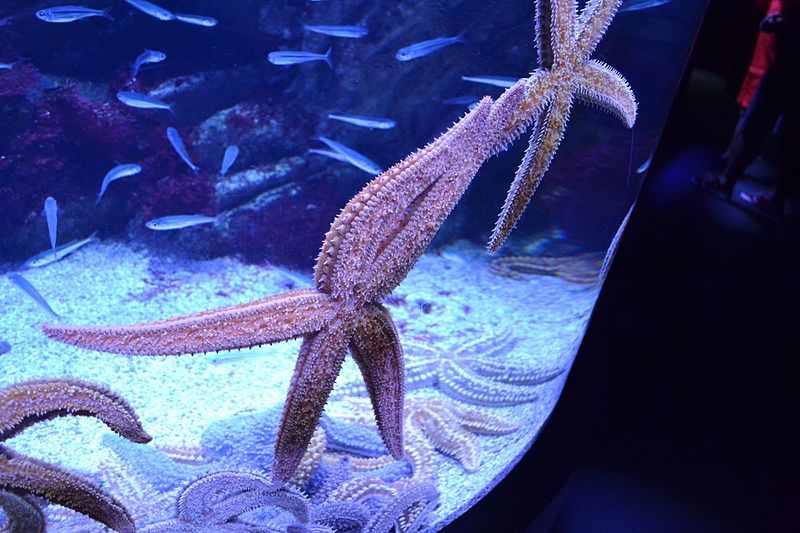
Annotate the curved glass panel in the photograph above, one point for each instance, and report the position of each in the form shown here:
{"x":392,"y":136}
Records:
{"x":157,"y":164}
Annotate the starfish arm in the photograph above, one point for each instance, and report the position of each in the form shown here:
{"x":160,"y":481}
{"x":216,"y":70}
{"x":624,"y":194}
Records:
{"x":221,"y":496}
{"x":390,"y":207}
{"x":376,"y":349}
{"x":446,"y":434}
{"x":544,"y":36}
{"x":63,"y":488}
{"x":318,"y":363}
{"x":22,"y":516}
{"x":481,"y":421}
{"x":272,"y":319}
{"x":541,"y":150}
{"x":462,"y":384}
{"x":563,"y":20}
{"x":593,"y":22}
{"x":601,"y":85}
{"x":26,"y":403}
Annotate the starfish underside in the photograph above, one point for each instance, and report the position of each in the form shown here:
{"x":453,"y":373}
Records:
{"x":381,"y":233}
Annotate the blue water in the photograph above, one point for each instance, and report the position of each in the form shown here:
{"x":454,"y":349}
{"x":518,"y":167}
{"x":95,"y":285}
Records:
{"x":242,"y":170}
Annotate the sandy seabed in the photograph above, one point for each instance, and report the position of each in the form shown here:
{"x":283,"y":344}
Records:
{"x":447,"y":298}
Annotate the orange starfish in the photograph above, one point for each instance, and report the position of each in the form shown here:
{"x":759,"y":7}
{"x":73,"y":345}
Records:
{"x":371,"y":246}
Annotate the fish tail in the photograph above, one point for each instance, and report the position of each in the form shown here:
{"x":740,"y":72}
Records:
{"x":327,"y":57}
{"x":171,"y":108}
{"x":106,"y":14}
{"x":462,"y":37}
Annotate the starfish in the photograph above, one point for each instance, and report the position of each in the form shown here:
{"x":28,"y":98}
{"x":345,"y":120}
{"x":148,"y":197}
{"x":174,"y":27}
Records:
{"x":470,"y":372}
{"x":21,"y":515}
{"x":565,"y":41}
{"x":373,"y":244}
{"x":26,"y":403}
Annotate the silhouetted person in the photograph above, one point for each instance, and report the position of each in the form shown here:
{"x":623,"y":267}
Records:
{"x":778,"y":95}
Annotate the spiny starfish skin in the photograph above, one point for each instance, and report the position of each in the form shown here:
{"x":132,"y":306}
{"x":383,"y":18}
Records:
{"x":21,"y":516}
{"x":25,"y":403}
{"x":381,"y":233}
{"x":565,"y":40}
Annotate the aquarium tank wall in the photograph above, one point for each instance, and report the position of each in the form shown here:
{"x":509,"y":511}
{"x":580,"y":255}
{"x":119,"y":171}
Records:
{"x":305,"y":265}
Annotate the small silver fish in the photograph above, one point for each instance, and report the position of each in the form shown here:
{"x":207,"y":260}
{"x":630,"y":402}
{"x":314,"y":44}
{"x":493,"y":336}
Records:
{"x":329,"y":153}
{"x":142,"y":101}
{"x":640,"y":5}
{"x":646,"y":165}
{"x":177,"y":143}
{"x":462,"y":100}
{"x":62,"y":14}
{"x":222,"y":358}
{"x":31,"y":291}
{"x":365,"y":122}
{"x":119,"y":171}
{"x":197,"y":20}
{"x":290,"y":57}
{"x":350,"y":32}
{"x":8,"y":66}
{"x":228,"y":159}
{"x":51,"y":256}
{"x":424,"y":48}
{"x":178,"y":222}
{"x":354,"y":158}
{"x":51,"y":214}
{"x":151,"y":9}
{"x":497,"y":81}
{"x":297,"y":278}
{"x":148,"y":56}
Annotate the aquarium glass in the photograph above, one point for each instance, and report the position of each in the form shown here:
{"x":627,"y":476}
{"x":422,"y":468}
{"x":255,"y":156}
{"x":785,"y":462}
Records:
{"x":162,"y":161}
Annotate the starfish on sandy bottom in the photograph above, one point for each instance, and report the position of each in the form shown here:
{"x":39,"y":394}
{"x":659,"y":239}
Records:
{"x":449,"y":426}
{"x":214,"y":502}
{"x":379,"y":236}
{"x":583,"y":269}
{"x":470,"y":371}
{"x":29,"y":402}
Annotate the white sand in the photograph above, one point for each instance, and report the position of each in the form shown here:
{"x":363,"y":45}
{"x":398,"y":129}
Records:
{"x":178,"y":397}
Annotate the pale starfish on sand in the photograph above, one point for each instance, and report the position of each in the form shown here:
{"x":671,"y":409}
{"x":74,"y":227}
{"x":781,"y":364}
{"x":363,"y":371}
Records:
{"x":379,"y":236}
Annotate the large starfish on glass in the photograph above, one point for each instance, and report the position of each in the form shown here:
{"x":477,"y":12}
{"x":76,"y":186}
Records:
{"x":29,"y":402}
{"x":565,"y":41}
{"x":376,"y":240}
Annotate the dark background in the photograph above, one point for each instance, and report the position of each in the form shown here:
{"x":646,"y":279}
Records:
{"x":681,"y":413}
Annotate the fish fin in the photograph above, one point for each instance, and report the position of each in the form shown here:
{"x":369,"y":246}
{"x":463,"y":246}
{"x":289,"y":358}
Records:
{"x":327,"y":57}
{"x":106,"y":14}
